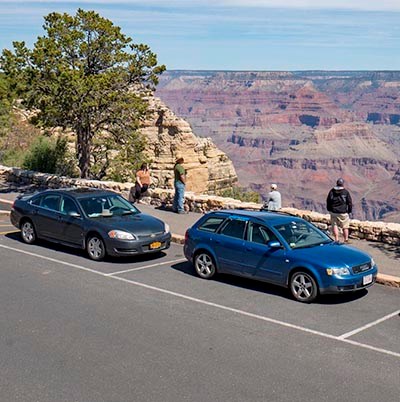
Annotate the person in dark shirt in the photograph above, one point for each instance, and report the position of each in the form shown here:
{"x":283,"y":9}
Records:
{"x":340,"y":205}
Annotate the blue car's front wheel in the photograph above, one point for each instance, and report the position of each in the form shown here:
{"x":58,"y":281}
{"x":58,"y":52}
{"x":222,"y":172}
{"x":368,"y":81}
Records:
{"x":204,"y":265}
{"x":303,"y":287}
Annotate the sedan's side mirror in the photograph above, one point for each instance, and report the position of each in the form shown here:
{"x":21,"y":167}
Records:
{"x":74,"y":214}
{"x":274,"y":244}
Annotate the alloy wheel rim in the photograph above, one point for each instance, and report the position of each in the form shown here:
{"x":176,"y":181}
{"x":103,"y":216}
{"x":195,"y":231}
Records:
{"x":204,"y":265}
{"x":27,"y":231}
{"x":95,"y":248}
{"x":302,"y":286}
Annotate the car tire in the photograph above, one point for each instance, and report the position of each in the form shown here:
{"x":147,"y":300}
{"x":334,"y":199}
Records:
{"x":204,"y":265}
{"x":28,"y":232}
{"x":95,"y":248}
{"x":303,"y":286}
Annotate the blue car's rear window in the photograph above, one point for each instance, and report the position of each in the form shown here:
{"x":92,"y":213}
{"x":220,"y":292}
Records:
{"x":211,"y":224}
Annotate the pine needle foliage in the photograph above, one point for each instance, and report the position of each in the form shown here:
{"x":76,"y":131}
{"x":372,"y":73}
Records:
{"x":79,"y":75}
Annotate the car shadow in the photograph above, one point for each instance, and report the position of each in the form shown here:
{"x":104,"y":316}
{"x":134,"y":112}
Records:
{"x":269,"y":288}
{"x":237,"y":281}
{"x":44,"y":244}
{"x":340,"y":298}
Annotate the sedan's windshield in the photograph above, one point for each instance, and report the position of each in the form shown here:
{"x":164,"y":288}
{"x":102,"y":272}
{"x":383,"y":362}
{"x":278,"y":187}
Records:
{"x":302,"y":234}
{"x":106,"y":205}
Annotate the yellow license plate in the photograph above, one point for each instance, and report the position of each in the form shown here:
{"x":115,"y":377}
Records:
{"x":154,"y":245}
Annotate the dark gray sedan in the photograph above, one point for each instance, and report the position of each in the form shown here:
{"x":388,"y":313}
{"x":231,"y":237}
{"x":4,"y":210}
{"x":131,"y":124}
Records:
{"x":100,"y":221}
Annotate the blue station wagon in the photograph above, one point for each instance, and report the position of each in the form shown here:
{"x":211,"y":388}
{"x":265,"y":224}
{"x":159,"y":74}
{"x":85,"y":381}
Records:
{"x":277,"y":248}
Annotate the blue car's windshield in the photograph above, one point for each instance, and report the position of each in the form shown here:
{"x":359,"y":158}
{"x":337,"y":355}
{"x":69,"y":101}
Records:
{"x":302,"y":234}
{"x":106,"y":205}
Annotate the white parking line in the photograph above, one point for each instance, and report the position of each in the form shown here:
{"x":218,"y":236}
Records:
{"x":52,"y":259}
{"x":371,"y":324}
{"x":145,"y":267}
{"x":211,"y":304}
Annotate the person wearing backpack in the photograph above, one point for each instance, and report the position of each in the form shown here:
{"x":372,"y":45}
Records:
{"x":339,"y":204}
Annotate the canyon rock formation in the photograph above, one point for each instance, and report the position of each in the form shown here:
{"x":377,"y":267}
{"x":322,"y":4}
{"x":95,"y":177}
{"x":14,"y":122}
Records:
{"x":209,"y":170}
{"x":302,"y":130}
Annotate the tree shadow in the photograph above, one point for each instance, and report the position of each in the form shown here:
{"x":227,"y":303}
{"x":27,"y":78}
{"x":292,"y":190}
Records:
{"x":390,"y":250}
{"x":21,"y":189}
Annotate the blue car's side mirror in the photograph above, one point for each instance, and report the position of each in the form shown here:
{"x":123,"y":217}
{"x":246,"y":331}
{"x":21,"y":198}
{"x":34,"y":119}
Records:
{"x":274,"y":244}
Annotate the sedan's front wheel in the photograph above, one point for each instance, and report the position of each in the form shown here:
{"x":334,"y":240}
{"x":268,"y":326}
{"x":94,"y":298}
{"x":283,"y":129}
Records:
{"x":303,"y":287}
{"x":95,"y":248}
{"x":28,"y":233}
{"x":204,"y":265}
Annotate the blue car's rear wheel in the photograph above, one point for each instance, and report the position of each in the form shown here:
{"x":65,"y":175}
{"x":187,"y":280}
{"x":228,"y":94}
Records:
{"x":204,"y":265}
{"x":303,"y":287}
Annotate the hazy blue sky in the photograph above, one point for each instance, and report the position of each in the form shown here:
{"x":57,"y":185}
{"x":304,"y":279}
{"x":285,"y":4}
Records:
{"x":237,"y":34}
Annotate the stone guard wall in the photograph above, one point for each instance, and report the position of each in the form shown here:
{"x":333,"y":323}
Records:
{"x":373,"y":231}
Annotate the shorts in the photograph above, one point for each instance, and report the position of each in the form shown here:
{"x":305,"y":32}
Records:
{"x":340,"y":220}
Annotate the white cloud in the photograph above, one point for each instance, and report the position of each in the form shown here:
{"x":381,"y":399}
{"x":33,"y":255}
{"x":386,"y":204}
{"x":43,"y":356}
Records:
{"x":318,"y":4}
{"x":384,"y":5}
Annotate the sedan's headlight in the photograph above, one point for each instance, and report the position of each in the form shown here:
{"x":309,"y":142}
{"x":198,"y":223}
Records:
{"x":337,"y":271}
{"x":166,"y":228}
{"x":119,"y":234}
{"x":372,"y":262}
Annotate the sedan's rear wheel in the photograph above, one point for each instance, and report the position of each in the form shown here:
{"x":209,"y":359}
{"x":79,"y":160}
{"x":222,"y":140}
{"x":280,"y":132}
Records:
{"x":28,"y":233}
{"x":95,"y":248}
{"x":303,"y":287}
{"x":204,"y":265}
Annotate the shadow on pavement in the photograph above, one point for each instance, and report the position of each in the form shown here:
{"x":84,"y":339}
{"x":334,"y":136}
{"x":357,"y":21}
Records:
{"x":389,"y":250}
{"x":274,"y":290}
{"x":43,"y":244}
{"x":20,"y":189}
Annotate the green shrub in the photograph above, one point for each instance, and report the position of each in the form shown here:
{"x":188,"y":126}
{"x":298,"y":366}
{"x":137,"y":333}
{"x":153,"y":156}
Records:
{"x":240,"y":193}
{"x":12,"y":157}
{"x":49,"y":156}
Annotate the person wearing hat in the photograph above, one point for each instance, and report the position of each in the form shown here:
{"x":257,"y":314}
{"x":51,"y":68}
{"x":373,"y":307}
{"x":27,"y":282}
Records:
{"x":339,"y":204}
{"x":274,"y":199}
{"x":179,"y":185}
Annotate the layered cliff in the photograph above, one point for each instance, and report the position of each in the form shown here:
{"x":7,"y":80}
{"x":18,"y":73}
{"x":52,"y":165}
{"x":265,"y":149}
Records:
{"x":209,"y":170}
{"x":302,"y":130}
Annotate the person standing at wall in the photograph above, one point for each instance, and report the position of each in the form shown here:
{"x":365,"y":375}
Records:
{"x":339,"y":204}
{"x":142,"y":182}
{"x":274,"y":199}
{"x":179,"y":184}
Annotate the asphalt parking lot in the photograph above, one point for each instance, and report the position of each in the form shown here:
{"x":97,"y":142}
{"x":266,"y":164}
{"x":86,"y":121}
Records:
{"x":169,"y":335}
